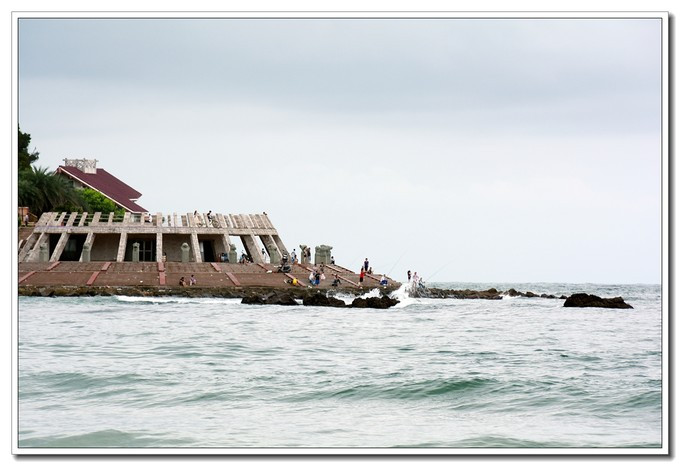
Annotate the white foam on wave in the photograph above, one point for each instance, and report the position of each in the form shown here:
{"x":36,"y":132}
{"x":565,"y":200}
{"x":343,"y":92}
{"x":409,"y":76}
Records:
{"x":348,"y":298}
{"x":163,"y":299}
{"x":402,"y":295}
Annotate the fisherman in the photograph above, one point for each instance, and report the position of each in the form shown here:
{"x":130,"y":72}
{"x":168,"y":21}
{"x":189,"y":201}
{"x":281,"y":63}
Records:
{"x":383,"y":280}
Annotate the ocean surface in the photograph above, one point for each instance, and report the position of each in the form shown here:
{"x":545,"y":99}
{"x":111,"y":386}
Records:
{"x":432,"y":373}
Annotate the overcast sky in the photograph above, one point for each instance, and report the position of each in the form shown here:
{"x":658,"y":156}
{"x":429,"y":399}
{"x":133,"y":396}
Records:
{"x":508,"y":150}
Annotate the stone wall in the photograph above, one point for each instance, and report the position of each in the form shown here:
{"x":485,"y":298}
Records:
{"x":172,"y":246}
{"x":105,"y":247}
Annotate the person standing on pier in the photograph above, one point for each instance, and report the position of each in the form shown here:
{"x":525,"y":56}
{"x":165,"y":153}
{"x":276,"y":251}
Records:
{"x":366,"y":264}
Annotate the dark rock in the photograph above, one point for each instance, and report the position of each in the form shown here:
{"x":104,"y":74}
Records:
{"x":563,"y":297}
{"x":513,"y":292}
{"x":529,"y":294}
{"x":383,"y":302}
{"x":252,"y":300}
{"x":320,"y":299}
{"x":281,"y":299}
{"x":590,"y":300}
{"x":359,"y":302}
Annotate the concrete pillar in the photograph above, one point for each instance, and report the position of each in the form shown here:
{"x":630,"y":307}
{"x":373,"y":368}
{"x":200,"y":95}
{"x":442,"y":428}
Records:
{"x":71,"y":219}
{"x":196,"y":249}
{"x":135,"y":252}
{"x":85,"y":255}
{"x":34,"y":254}
{"x":59,"y":220}
{"x":305,"y":255}
{"x":185,"y":252}
{"x":279,"y":244}
{"x":44,"y":252}
{"x":272,"y":249}
{"x":60,"y":247}
{"x":225,"y":243}
{"x":159,"y":246}
{"x":252,"y":248}
{"x":95,"y":218}
{"x":87,"y":245}
{"x":83,"y":218}
{"x":28,"y":245}
{"x":120,"y":257}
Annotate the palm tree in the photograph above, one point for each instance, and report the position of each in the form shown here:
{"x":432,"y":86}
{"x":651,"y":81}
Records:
{"x":43,"y":191}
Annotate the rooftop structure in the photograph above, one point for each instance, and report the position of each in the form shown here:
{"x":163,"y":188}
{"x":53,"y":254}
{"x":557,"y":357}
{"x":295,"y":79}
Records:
{"x":85,"y":174}
{"x":85,"y":237}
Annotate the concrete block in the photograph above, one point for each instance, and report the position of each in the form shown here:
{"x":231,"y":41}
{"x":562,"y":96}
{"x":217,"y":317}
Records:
{"x":322,"y":254}
{"x":44,"y":255}
{"x":86,"y":253}
{"x":233,"y":255}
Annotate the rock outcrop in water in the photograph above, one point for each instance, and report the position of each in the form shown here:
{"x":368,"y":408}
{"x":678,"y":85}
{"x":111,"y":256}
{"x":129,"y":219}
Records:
{"x":320,"y":299}
{"x":382,"y":302}
{"x":590,"y":300}
{"x":281,"y":299}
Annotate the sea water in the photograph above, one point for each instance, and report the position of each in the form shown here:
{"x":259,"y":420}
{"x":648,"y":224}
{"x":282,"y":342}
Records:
{"x":435,"y":373}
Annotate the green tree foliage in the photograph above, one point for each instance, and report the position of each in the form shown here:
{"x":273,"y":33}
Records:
{"x":26,"y":159}
{"x":43,"y":191}
{"x":97,"y":202}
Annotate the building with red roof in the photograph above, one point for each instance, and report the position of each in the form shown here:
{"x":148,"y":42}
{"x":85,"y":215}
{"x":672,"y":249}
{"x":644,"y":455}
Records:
{"x":85,"y":174}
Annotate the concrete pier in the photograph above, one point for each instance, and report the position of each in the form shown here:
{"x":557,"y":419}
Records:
{"x":110,"y":238}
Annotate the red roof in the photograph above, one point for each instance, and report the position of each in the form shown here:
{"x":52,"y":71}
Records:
{"x":108,"y":185}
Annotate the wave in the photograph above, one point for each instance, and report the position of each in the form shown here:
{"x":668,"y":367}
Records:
{"x":401,"y":391}
{"x":404,"y":299}
{"x":170,"y":299}
{"x":78,"y":381}
{"x":105,"y":438}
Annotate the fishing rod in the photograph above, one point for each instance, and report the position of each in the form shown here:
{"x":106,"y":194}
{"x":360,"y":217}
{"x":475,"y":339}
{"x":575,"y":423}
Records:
{"x":395,"y":264}
{"x":439,"y":270}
